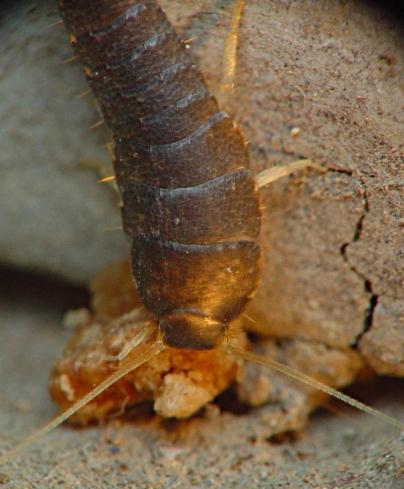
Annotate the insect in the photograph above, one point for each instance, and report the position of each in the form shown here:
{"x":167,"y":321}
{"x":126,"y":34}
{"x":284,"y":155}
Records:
{"x":194,"y":280}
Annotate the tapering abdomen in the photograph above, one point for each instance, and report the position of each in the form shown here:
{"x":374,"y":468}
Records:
{"x":190,"y":205}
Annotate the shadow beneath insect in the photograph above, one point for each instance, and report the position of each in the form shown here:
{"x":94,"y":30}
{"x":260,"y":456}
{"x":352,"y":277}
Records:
{"x":26,"y":287}
{"x":206,"y":420}
{"x":373,"y":391}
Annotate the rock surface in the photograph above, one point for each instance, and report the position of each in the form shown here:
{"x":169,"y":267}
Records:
{"x":214,"y":449}
{"x":55,"y":217}
{"x":321,"y":83}
{"x":178,"y":382}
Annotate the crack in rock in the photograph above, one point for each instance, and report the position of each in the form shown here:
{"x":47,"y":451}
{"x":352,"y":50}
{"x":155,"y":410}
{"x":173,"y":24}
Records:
{"x":367,"y":285}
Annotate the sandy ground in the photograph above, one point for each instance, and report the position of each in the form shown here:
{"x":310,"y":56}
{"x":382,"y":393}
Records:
{"x":340,"y":88}
{"x":218,"y":448}
{"x":332,"y":70}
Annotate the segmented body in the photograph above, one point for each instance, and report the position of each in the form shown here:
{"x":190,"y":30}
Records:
{"x":190,"y":205}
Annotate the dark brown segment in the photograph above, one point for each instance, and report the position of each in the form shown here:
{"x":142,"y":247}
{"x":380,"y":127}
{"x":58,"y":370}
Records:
{"x":161,"y":114}
{"x":138,"y":97}
{"x":110,"y":44}
{"x":150,"y":75}
{"x":214,"y":280}
{"x":103,"y":17}
{"x":126,"y":74}
{"x":190,"y":204}
{"x":223,"y":209}
{"x":214,"y":149}
{"x":170,"y":124}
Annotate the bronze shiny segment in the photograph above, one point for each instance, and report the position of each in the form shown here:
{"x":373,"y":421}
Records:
{"x":223,"y":209}
{"x":216,"y":279}
{"x":188,"y":327}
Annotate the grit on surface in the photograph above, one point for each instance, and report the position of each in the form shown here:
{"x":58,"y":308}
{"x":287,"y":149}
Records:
{"x":215,"y":449}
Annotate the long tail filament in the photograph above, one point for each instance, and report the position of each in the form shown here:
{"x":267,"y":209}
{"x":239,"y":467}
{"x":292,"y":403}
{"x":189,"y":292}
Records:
{"x":127,"y":366}
{"x":155,"y":347}
{"x":238,"y":352}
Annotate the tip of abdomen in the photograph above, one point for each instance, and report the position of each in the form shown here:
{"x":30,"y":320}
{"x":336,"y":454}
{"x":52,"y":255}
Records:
{"x":188,"y":329}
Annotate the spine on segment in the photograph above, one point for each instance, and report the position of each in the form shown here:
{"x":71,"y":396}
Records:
{"x":189,"y":199}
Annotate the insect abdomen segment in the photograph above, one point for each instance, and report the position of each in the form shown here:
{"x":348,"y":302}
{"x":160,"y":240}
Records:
{"x":190,"y":205}
{"x":195,"y":290}
{"x":221,"y":209}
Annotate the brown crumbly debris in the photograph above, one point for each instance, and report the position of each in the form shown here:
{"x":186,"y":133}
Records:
{"x":334,"y":367}
{"x":113,"y":292}
{"x":180,"y":382}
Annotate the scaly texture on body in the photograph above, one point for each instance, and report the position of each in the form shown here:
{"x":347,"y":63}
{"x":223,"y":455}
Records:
{"x":190,"y":205}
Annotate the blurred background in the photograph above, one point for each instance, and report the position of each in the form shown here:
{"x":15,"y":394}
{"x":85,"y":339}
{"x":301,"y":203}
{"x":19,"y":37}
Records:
{"x":321,"y":80}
